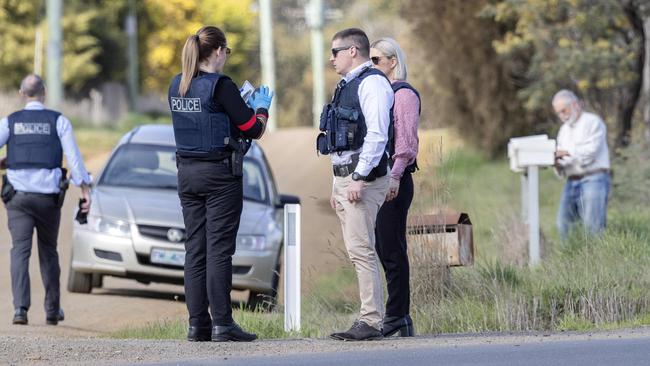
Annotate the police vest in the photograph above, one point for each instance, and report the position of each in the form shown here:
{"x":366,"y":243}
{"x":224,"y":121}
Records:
{"x":342,"y":120}
{"x":391,"y":143}
{"x":33,"y":140}
{"x":199,"y":129}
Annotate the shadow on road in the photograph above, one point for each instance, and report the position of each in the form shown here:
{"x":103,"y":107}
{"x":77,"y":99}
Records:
{"x":156,"y":295}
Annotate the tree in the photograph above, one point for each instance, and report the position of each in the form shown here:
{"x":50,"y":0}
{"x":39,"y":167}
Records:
{"x":592,"y":47}
{"x":168,"y":23}
{"x":19,"y":23}
{"x":470,"y":86}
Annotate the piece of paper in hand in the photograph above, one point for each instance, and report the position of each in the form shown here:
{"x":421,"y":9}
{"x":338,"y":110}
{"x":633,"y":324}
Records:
{"x":246,"y":90}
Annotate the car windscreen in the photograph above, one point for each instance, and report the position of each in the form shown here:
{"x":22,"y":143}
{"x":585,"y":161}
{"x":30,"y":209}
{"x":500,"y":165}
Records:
{"x":154,"y":166}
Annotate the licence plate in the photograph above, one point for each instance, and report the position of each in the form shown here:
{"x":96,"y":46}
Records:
{"x":170,"y":257}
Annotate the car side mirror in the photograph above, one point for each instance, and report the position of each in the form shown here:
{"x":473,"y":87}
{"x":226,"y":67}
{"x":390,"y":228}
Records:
{"x":287,"y":199}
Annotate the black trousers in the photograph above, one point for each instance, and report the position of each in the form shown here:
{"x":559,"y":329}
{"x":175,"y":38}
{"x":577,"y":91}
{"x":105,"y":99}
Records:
{"x":26,"y":212}
{"x":390,"y":233}
{"x":212,"y":201}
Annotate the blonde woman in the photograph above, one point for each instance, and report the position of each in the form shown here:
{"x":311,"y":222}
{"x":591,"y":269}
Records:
{"x":206,"y":109}
{"x":388,"y":57}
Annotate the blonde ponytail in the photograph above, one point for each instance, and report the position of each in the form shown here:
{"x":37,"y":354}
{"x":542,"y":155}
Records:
{"x":190,"y":63}
{"x":197,"y":48}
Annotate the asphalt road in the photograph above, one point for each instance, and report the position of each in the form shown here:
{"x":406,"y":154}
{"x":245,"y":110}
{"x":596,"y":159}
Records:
{"x":584,"y":352}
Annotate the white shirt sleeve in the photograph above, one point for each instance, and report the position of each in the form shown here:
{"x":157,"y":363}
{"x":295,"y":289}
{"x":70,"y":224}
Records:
{"x":376,"y":98}
{"x":78,"y":171}
{"x":4,"y":131}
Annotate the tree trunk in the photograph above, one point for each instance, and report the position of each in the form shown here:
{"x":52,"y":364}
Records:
{"x":630,"y":95}
{"x":646,"y":79}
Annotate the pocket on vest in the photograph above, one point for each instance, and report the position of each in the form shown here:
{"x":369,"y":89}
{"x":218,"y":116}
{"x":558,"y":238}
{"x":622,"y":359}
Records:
{"x":220,"y":129}
{"x":188,"y":134}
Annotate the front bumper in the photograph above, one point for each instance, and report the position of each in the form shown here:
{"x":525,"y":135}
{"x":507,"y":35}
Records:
{"x":94,"y":252}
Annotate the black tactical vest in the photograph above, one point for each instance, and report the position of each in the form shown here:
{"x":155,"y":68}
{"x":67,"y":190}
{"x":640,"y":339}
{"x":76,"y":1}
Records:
{"x":342,"y":121}
{"x":199,"y":129}
{"x":33,"y":140}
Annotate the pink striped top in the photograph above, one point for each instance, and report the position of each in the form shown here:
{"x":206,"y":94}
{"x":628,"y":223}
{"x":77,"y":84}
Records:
{"x":407,"y":118}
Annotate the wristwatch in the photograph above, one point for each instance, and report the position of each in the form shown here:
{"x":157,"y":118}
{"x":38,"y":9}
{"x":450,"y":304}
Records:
{"x":357,"y":176}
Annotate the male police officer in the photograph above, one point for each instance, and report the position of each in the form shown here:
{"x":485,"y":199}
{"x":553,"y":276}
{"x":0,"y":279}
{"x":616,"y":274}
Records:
{"x":36,"y":140}
{"x":355,"y":132}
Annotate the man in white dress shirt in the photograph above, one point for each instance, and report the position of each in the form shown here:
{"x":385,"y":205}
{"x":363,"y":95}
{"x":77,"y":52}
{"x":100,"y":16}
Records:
{"x":37,"y":139}
{"x":355,"y":132}
{"x":582,"y":157}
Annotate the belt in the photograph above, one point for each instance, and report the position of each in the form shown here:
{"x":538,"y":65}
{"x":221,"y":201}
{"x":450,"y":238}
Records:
{"x":343,"y":170}
{"x":37,"y":194}
{"x":580,"y":176}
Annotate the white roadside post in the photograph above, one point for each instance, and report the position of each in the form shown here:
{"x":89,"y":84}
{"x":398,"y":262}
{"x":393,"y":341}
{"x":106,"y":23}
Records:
{"x":526,"y":155}
{"x":291,"y":267}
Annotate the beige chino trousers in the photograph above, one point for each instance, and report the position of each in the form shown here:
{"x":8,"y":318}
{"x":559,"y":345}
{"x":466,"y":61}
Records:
{"x":358,"y":225}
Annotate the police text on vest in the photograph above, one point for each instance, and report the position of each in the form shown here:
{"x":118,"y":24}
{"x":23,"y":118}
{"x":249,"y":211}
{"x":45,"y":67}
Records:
{"x":25,"y":128}
{"x":186,"y":104}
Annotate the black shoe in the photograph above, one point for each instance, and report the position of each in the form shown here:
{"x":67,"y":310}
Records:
{"x":403,"y":325}
{"x":231,"y":333}
{"x":199,"y":334}
{"x":360,"y":331}
{"x":55,"y":318}
{"x":20,"y":316}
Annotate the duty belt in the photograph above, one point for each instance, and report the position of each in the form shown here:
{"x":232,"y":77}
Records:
{"x":343,"y":170}
{"x":580,"y":176}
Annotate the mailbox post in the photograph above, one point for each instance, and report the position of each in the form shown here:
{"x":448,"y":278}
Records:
{"x":526,"y":155}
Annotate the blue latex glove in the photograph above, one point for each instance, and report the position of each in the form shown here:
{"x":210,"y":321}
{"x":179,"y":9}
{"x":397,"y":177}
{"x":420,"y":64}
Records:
{"x":261,"y":98}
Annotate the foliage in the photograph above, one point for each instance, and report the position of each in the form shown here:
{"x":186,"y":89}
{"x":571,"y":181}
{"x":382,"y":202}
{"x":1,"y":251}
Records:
{"x":470,"y":85}
{"x":170,"y":22}
{"x":585,"y":45}
{"x":497,"y":63}
{"x":19,"y":23}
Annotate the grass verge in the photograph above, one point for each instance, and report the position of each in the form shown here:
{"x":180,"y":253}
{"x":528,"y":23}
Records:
{"x":587,"y":283}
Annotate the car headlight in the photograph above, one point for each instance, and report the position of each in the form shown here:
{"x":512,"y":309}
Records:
{"x":109,"y":226}
{"x":251,"y":242}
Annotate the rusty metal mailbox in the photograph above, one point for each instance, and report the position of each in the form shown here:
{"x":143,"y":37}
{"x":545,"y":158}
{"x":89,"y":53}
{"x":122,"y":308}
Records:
{"x":448,"y":235}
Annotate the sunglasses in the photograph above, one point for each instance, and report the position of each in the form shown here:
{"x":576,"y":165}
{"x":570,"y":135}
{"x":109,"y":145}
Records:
{"x":335,"y":51}
{"x":375,"y":60}
{"x":228,"y":50}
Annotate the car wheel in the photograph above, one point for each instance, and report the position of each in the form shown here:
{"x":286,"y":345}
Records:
{"x":98,"y":280}
{"x":266,"y":300}
{"x":79,"y":282}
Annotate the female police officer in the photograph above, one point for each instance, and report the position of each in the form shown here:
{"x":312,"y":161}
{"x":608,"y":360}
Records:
{"x":211,"y":120}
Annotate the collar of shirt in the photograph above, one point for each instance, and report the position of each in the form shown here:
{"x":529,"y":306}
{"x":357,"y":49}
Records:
{"x":356,"y":71}
{"x":34,"y":105}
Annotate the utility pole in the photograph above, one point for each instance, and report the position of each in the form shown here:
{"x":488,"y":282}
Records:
{"x":54,"y":9}
{"x":314,"y":14}
{"x":131,"y":27}
{"x":267,"y":59}
{"x":38,"y":51}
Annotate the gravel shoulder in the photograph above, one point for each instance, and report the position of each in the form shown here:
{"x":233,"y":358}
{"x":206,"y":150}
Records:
{"x":49,"y":349}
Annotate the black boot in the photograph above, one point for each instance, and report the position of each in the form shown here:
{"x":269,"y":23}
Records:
{"x":231,"y":333}
{"x":199,"y":334}
{"x":403,"y":325}
{"x":55,"y":318}
{"x":20,"y":316}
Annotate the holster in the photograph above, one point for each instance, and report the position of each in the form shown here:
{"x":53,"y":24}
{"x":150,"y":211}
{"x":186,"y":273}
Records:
{"x":64,"y":184}
{"x":238,"y":148}
{"x":8,"y":191}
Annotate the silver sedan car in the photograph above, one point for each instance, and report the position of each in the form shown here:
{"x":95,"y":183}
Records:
{"x":135,"y":226}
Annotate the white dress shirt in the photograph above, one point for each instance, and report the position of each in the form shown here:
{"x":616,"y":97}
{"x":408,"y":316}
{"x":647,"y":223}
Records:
{"x":47,"y":180}
{"x":376,"y":98}
{"x":586,"y":142}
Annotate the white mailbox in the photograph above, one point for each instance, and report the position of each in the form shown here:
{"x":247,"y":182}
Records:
{"x":527,"y":151}
{"x":526,"y":155}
